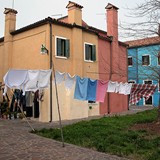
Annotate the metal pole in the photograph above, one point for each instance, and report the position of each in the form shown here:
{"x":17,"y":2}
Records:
{"x":51,"y":64}
{"x":60,"y":122}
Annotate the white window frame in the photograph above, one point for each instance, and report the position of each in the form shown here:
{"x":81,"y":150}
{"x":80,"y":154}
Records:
{"x":149,"y":59}
{"x":61,"y":57}
{"x":132,"y":61}
{"x":85,"y":52}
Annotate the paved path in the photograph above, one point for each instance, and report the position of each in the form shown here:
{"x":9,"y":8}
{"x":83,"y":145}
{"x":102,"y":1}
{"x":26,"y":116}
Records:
{"x":17,"y":143}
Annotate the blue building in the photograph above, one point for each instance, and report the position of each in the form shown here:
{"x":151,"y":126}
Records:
{"x":144,"y":65}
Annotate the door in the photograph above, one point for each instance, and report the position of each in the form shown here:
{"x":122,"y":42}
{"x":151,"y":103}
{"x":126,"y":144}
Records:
{"x":149,"y":101}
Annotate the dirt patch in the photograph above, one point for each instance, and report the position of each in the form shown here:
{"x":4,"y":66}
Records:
{"x":153,"y":128}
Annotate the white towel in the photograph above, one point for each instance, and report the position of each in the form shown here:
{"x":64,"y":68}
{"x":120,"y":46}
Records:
{"x":59,"y":77}
{"x":44,"y":78}
{"x":69,"y":81}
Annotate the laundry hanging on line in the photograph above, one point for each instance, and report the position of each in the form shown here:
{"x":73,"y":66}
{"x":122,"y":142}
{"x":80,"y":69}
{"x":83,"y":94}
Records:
{"x":32,"y":80}
{"x":139,"y":91}
{"x":27,"y":80}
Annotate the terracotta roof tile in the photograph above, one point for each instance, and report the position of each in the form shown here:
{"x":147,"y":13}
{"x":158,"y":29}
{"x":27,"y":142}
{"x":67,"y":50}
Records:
{"x":71,"y":4}
{"x":144,"y":42}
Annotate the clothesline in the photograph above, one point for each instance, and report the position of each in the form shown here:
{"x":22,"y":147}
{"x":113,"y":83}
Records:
{"x":95,"y":90}
{"x":85,"y":88}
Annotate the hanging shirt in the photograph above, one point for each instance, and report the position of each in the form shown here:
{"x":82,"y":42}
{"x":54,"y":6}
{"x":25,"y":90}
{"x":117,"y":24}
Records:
{"x":32,"y":84}
{"x":122,"y":88}
{"x":15,"y":79}
{"x":128,"y":88}
{"x":81,"y":88}
{"x":69,"y":81}
{"x":117,"y":87}
{"x":141,"y":90}
{"x":38,"y":79}
{"x":44,"y":78}
{"x":59,"y":77}
{"x":111,"y":86}
{"x":91,"y":90}
{"x":101,"y":90}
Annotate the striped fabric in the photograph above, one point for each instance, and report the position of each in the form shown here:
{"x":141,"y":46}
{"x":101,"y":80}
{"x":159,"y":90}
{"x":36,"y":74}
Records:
{"x":141,"y":90}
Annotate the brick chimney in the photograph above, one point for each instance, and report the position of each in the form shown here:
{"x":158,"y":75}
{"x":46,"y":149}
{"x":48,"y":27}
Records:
{"x":10,"y":20}
{"x":112,"y":21}
{"x":112,"y":30}
{"x":74,"y":13}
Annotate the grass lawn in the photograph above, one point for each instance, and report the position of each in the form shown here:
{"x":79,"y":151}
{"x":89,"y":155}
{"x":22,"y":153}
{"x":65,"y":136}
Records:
{"x":113,"y":135}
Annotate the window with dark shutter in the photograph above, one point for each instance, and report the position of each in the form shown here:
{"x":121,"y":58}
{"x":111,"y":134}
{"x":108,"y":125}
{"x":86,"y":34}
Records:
{"x":90,"y":52}
{"x":145,"y":60}
{"x":130,"y":62}
{"x":63,"y":47}
{"x":93,"y":53}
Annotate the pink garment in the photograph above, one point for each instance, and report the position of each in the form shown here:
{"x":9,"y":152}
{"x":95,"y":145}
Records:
{"x":101,"y":90}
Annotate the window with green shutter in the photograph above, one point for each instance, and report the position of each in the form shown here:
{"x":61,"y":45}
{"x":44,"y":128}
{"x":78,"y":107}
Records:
{"x":62,"y":47}
{"x":90,"y":52}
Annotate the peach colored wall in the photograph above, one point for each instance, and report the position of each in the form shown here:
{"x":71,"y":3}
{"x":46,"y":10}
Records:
{"x":90,"y":69}
{"x":1,"y":66}
{"x":1,"y":60}
{"x":26,"y":49}
{"x":75,"y":64}
{"x":75,"y":16}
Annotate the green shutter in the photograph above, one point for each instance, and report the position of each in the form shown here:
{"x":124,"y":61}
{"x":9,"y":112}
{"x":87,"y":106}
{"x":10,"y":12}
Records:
{"x":86,"y":52}
{"x":67,"y":48}
{"x":93,"y":53}
{"x":59,"y":45}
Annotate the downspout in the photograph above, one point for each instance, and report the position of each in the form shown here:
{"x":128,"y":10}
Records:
{"x":51,"y":61}
{"x":137,"y":66}
{"x":110,"y":73}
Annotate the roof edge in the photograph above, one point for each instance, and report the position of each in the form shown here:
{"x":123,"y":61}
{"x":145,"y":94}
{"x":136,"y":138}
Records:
{"x":2,"y":39}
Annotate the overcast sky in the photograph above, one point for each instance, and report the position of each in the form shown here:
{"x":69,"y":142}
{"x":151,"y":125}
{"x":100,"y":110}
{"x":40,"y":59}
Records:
{"x":30,"y":11}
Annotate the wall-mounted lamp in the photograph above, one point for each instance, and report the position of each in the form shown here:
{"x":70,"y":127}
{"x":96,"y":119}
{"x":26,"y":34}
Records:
{"x":44,"y":50}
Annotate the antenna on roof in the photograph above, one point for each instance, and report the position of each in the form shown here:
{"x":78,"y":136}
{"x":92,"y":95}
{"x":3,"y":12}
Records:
{"x":56,"y":15}
{"x":12,"y":4}
{"x":100,"y":13}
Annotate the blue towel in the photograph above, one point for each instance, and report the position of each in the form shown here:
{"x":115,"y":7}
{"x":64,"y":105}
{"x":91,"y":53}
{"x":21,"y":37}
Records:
{"x":91,"y":91}
{"x":81,"y":88}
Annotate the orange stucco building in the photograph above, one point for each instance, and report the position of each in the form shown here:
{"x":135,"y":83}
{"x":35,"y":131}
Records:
{"x":67,"y":40}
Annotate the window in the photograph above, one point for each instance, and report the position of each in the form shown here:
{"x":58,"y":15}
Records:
{"x":132,"y":81}
{"x":130,"y":62}
{"x":147,"y":82}
{"x":62,"y":47}
{"x":145,"y":60}
{"x":149,"y":101}
{"x":90,"y":52}
{"x":91,"y":101}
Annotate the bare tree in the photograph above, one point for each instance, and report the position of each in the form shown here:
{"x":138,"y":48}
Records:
{"x":145,"y":20}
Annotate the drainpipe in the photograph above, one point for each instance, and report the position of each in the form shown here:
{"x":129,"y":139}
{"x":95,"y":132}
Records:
{"x":110,"y":74}
{"x":137,"y":65}
{"x":51,"y":61}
